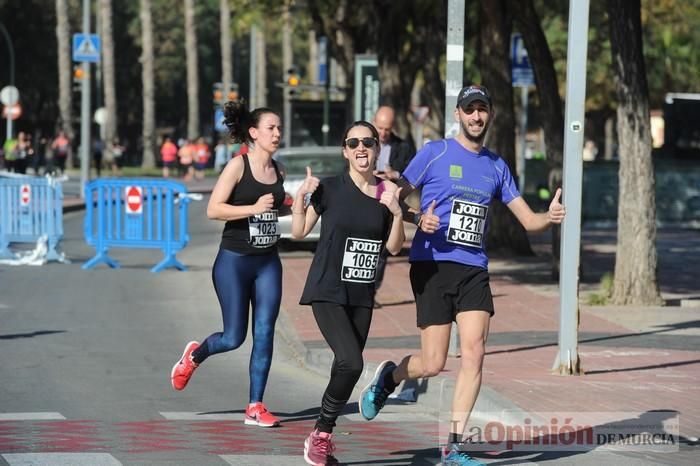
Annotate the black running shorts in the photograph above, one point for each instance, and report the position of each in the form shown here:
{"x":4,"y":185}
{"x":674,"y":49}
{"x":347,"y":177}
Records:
{"x":443,"y":289}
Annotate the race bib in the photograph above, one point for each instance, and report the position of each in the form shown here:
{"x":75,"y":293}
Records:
{"x":263,"y":229}
{"x":467,"y":223}
{"x":360,"y":260}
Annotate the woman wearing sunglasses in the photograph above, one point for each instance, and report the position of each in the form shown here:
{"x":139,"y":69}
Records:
{"x":361,"y":215}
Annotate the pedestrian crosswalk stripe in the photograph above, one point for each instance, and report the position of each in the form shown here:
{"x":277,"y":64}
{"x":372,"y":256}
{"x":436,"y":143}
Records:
{"x":263,"y":460}
{"x":199,"y":416}
{"x":355,"y":417}
{"x":40,"y":416}
{"x":60,"y":459}
{"x":393,"y":417}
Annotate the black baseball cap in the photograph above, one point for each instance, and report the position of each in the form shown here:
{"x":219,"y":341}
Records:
{"x":472,"y":93}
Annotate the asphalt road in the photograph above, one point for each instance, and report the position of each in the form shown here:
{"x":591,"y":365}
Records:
{"x":87,"y":353}
{"x":86,"y":359}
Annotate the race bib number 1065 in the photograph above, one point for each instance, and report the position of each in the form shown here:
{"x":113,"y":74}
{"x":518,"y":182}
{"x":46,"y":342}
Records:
{"x":360,"y":260}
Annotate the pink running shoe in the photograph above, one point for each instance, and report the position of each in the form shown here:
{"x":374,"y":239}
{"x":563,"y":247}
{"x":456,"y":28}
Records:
{"x":318,"y":449}
{"x":184,"y":368}
{"x":258,"y":415}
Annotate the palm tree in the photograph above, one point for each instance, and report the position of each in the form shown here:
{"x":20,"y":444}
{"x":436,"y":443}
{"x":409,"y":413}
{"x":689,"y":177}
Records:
{"x":64,"y":68}
{"x":192,"y":76}
{"x":108,"y":71}
{"x":149,"y":103}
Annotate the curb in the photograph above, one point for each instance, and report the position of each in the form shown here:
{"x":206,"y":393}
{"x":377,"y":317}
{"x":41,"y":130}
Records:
{"x":435,"y":393}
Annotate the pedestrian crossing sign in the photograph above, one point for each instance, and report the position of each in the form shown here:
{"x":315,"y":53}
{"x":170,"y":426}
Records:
{"x":86,"y":47}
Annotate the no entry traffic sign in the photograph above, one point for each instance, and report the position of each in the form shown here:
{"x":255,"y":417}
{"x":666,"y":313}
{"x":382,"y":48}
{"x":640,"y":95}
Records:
{"x":25,"y":195}
{"x":134,"y":200}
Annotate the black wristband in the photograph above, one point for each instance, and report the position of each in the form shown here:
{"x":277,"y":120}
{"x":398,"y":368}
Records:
{"x":416,"y":217}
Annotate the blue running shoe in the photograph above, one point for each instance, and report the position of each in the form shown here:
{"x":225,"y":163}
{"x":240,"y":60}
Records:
{"x":452,"y":455}
{"x":373,"y":396}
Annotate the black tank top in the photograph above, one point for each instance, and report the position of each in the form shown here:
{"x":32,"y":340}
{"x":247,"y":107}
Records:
{"x":257,"y":234}
{"x":354,"y":230}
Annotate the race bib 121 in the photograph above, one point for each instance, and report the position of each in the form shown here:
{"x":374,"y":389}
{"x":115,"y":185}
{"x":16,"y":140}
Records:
{"x":467,"y":223}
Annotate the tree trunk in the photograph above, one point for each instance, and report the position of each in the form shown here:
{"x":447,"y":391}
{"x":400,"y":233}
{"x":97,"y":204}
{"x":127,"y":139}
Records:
{"x":147,"y":78}
{"x":65,"y":74}
{"x":226,"y":67}
{"x":395,"y":78}
{"x":346,"y":34}
{"x":505,"y":232}
{"x":192,"y":72}
{"x":635,"y":264}
{"x":108,"y":71}
{"x":528,"y":23}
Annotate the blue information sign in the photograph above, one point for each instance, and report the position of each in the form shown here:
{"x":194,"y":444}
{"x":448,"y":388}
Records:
{"x":86,"y":47}
{"x":521,"y":71}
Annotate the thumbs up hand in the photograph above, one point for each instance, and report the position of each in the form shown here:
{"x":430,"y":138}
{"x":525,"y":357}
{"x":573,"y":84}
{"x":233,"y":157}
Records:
{"x":390,"y":198}
{"x":429,"y":222}
{"x":309,"y":185}
{"x":556,"y":210}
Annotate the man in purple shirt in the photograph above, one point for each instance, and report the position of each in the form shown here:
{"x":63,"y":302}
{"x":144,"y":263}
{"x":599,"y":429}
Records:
{"x":458,"y":179}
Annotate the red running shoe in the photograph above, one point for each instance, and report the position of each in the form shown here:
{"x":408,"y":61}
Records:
{"x":184,"y":368}
{"x":258,"y":415}
{"x":318,"y":449}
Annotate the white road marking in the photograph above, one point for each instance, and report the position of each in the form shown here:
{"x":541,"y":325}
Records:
{"x":198,"y":416}
{"x":41,"y":416}
{"x":264,"y":460}
{"x":61,"y":459}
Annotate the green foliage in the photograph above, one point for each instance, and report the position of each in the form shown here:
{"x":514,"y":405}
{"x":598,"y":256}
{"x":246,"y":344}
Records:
{"x":602,"y":297}
{"x":671,"y":47}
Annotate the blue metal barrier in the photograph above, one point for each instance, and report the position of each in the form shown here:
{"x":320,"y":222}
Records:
{"x":30,"y":207}
{"x":136,"y":213}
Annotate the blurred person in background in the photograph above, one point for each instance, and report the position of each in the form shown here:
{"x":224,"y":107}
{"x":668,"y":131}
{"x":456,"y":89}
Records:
{"x":168,"y":155}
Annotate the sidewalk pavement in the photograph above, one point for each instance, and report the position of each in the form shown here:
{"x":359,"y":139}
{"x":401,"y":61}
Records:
{"x":636,"y":359}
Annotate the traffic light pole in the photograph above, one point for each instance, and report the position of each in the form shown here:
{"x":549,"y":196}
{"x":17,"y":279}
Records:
{"x":567,"y":361}
{"x":85,"y":109}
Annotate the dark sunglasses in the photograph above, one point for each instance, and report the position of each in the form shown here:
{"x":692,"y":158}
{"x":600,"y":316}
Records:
{"x":352,"y":143}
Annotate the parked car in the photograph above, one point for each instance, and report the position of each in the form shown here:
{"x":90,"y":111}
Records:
{"x":324,"y":162}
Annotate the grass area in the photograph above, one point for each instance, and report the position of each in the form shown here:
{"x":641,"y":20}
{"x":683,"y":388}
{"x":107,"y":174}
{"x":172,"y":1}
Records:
{"x":602,"y":297}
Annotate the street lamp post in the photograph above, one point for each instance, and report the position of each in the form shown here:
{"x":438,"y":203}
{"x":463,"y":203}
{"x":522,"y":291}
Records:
{"x":11,"y":50}
{"x":85,"y":103}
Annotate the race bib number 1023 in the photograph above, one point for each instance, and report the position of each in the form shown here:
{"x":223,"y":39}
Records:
{"x":467,"y":223}
{"x":263,"y":229}
{"x":360,"y":260}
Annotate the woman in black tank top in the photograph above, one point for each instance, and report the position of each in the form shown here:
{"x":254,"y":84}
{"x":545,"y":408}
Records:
{"x":248,"y":196}
{"x":361,"y":215}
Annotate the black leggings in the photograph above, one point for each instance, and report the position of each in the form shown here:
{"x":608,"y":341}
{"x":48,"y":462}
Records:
{"x":345,"y":329}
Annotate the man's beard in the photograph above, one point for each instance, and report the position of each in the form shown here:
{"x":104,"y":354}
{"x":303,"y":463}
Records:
{"x":475,"y":139}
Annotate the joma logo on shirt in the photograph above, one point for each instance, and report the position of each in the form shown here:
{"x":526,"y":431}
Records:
{"x":455,"y":171}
